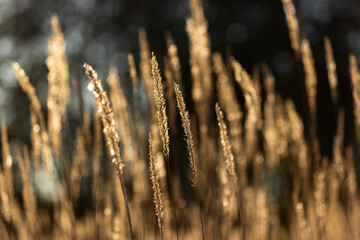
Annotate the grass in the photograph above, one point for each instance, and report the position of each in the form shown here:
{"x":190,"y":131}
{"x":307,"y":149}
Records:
{"x":256,"y":170}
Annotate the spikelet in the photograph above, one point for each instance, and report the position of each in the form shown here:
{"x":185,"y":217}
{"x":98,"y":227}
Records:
{"x":293,"y":25}
{"x":157,"y":193}
{"x":26,"y":86}
{"x":107,"y":116}
{"x":188,"y":134}
{"x":161,"y":106}
{"x":226,"y":144}
{"x":331,"y":69}
{"x":59,"y":90}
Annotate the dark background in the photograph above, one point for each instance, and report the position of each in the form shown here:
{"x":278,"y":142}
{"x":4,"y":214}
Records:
{"x":104,"y":32}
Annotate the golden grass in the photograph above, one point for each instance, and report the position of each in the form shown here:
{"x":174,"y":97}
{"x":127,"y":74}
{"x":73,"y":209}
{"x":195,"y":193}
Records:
{"x":254,"y":171}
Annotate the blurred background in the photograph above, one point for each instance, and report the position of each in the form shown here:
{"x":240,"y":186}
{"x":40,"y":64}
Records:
{"x":103,"y":32}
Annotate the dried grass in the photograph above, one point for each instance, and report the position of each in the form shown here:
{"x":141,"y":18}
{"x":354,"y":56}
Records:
{"x":257,"y":178}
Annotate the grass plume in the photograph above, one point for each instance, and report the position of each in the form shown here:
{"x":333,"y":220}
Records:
{"x":112,"y":138}
{"x":190,"y":146}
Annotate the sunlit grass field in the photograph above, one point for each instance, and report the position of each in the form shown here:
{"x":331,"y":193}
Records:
{"x":239,"y":163}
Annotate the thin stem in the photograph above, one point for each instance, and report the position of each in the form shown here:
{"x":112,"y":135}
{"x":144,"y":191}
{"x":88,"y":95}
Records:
{"x":126,"y":202}
{"x":201,"y":213}
{"x":168,"y":176}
